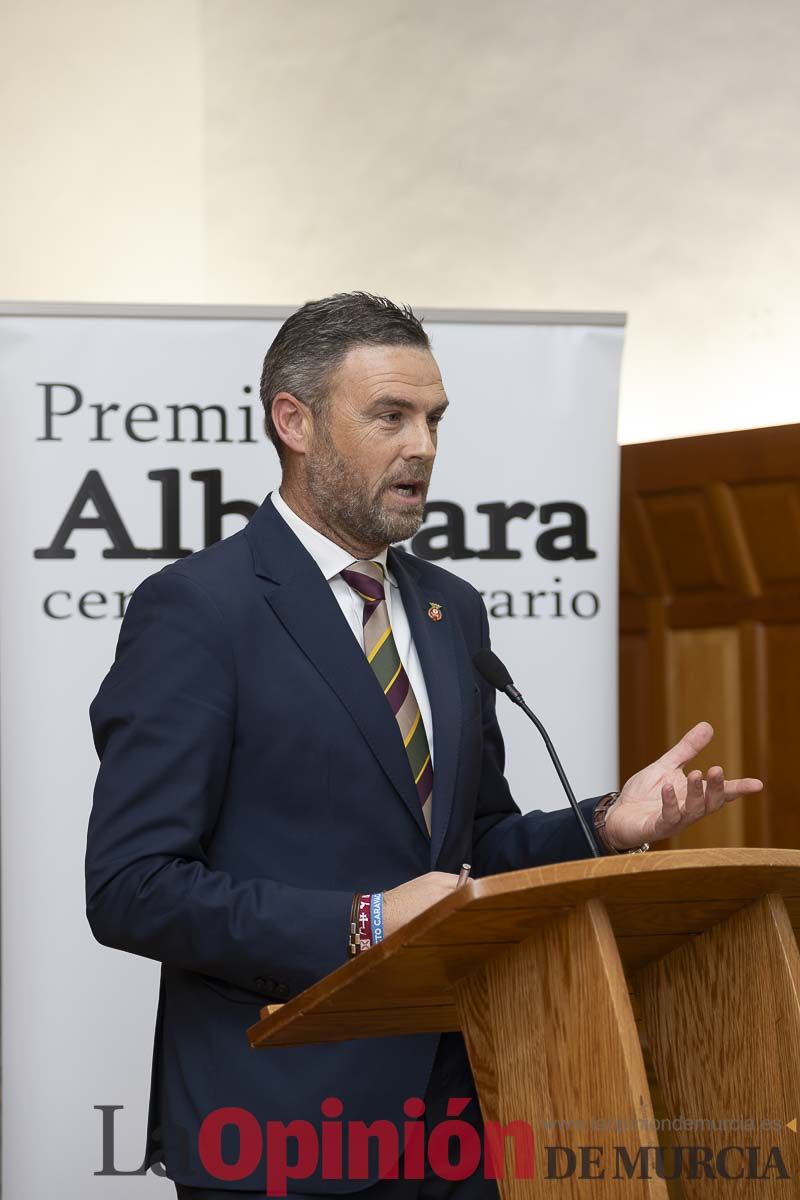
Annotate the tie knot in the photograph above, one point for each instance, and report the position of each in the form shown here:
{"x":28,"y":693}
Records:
{"x":366,"y":577}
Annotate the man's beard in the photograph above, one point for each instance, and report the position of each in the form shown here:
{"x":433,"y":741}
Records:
{"x":342,"y":499}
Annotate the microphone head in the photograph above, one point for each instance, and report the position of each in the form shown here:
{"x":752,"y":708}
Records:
{"x":493,"y":670}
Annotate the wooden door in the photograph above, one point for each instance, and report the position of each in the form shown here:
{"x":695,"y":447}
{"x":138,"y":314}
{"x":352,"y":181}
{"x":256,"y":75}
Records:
{"x":710,"y":617}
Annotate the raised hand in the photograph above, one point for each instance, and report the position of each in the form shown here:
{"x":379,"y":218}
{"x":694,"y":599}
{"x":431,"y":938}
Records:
{"x":661,"y":800}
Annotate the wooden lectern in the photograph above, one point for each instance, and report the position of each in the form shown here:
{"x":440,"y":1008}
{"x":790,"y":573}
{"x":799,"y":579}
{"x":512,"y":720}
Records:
{"x":558,"y":976}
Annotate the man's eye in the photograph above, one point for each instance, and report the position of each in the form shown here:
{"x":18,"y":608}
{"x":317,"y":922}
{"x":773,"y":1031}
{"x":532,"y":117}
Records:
{"x":392,"y":417}
{"x":436,"y":418}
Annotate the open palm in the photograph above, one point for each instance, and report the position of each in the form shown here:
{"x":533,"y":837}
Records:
{"x":661,"y":800}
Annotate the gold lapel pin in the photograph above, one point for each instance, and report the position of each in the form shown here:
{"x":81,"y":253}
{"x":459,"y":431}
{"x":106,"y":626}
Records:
{"x":434,"y":610}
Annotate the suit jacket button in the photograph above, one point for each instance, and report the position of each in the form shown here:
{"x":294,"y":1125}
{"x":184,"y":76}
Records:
{"x":282,"y":989}
{"x":260,"y":982}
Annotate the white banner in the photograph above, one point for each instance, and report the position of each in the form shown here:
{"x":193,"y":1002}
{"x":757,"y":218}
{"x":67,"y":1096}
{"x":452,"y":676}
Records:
{"x":133,"y":438}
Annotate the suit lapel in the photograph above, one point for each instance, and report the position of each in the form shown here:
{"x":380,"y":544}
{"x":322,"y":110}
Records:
{"x":302,"y":600}
{"x":435,"y":645}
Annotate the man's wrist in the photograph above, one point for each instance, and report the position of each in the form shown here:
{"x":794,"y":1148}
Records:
{"x":600,"y":815}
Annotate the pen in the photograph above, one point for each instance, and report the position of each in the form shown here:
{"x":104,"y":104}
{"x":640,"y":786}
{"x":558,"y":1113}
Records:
{"x":463,"y":874}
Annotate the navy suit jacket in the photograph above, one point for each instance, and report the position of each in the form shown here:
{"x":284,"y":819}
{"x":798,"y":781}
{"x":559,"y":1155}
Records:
{"x":251,"y":779}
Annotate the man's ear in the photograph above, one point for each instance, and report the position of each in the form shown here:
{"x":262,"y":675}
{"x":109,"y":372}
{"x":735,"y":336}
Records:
{"x":293,"y":421}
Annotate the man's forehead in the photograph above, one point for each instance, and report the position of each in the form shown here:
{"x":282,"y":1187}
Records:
{"x":377,"y":369}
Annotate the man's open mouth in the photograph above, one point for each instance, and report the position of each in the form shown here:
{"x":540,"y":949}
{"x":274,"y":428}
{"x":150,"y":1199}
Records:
{"x":411,"y":491}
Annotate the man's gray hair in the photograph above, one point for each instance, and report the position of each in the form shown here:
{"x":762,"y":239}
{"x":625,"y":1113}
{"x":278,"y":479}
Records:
{"x":313,"y":341}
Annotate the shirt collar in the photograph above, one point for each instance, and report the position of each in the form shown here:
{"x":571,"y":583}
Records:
{"x":330,"y":558}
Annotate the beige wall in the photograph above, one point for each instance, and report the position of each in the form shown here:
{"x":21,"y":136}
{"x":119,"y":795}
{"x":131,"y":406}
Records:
{"x":638,"y":156}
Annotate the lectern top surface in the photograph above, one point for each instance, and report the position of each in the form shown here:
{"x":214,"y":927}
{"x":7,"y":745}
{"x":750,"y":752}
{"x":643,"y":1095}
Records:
{"x":655,"y":902}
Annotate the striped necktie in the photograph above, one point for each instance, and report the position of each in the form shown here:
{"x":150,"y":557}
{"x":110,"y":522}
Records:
{"x":367,"y":579}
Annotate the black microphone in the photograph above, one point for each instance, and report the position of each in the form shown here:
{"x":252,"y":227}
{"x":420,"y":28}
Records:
{"x":496,"y":673}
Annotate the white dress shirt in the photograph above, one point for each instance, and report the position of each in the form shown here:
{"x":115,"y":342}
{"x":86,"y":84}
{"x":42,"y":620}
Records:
{"x":331,"y":560}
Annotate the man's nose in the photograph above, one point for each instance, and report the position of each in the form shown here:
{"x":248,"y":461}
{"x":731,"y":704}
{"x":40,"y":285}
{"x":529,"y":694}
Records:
{"x":421,"y":443}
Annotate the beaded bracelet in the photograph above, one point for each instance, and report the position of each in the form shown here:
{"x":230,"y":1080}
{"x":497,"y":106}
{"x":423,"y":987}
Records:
{"x":366,"y":914}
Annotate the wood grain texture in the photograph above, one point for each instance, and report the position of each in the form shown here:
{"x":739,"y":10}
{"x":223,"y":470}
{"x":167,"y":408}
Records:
{"x":694,"y":658}
{"x":710,"y":615}
{"x":552,"y":1039}
{"x":554,"y":975}
{"x":756,"y":735}
{"x":722,"y":1018}
{"x":781,"y":714}
{"x":655,"y":903}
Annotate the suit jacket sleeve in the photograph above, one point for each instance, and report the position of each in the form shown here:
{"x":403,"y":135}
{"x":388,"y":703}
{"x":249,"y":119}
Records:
{"x":504,"y":839}
{"x":163,"y":725}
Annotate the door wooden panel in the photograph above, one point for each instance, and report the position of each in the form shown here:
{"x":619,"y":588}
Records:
{"x":703,"y":682}
{"x":710,"y":616}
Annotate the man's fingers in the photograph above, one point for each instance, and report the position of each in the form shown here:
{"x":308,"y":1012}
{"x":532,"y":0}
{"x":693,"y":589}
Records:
{"x":695,"y":803}
{"x":670,"y":808}
{"x":742,"y":787}
{"x":715,"y":789}
{"x":690,"y":744}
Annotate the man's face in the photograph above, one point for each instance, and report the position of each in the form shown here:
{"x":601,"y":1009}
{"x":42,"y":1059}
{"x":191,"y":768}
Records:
{"x":371,"y":456}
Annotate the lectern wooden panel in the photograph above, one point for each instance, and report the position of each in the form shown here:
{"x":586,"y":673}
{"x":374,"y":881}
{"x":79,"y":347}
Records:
{"x":535,"y":968}
{"x":553,"y":1007}
{"x":722,"y":1014}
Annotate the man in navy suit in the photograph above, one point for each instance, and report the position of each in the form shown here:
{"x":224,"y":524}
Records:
{"x":291,"y":730}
